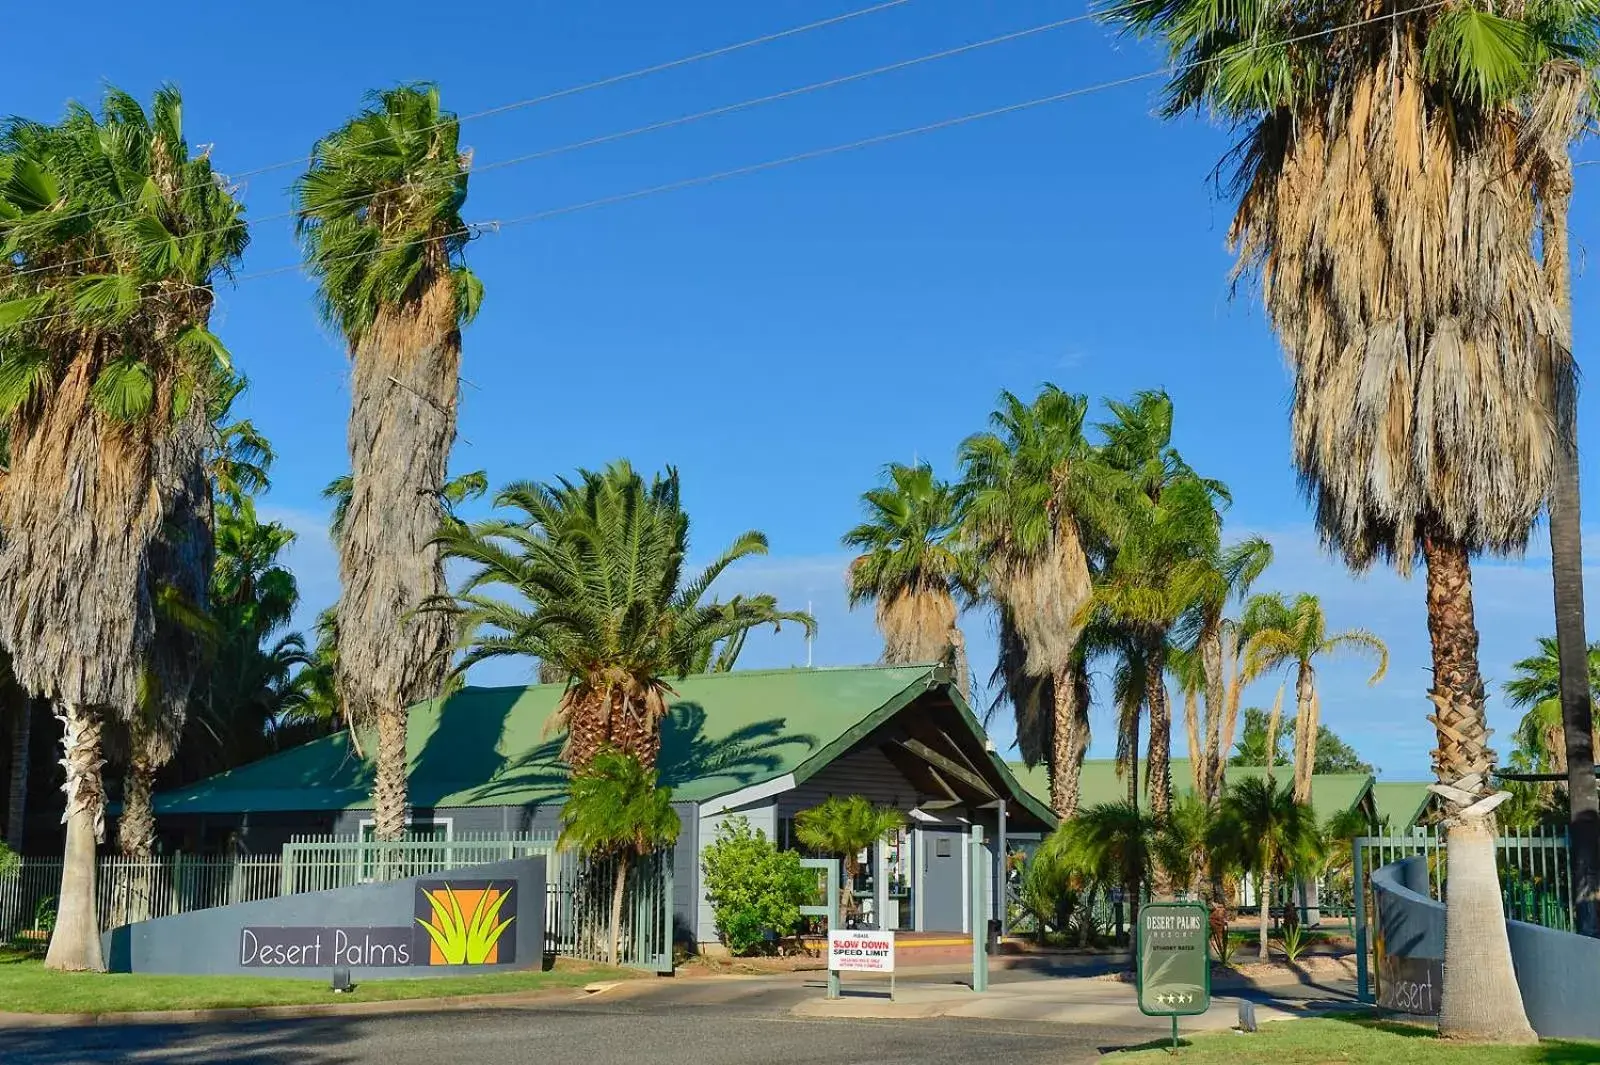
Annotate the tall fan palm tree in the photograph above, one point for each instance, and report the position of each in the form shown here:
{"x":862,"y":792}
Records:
{"x":113,"y":235}
{"x":598,"y":564}
{"x":1162,"y":571}
{"x":914,"y":568}
{"x":1388,"y":181}
{"x":380,"y":219}
{"x":1037,"y":501}
{"x":1216,"y":643}
{"x":1295,"y":633}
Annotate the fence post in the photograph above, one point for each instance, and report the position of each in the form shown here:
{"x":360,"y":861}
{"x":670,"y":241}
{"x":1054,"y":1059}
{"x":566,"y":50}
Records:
{"x":1363,"y":991}
{"x":980,"y":912}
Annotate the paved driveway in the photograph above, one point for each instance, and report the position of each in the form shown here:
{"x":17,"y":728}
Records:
{"x":573,"y":1035}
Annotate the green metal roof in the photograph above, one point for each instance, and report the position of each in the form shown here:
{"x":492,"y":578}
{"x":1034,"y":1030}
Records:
{"x":1400,"y":802}
{"x":491,"y":746}
{"x":1331,"y":793}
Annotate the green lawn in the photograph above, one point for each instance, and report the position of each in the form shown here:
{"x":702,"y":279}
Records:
{"x":26,"y":987}
{"x":1355,"y":1039}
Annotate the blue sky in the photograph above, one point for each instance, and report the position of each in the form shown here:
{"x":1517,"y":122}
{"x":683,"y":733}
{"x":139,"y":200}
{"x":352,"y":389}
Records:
{"x":782,"y":335}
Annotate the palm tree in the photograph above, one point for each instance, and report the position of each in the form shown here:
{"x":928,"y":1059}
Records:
{"x":598,"y":564}
{"x":1181,"y":843}
{"x":114,"y":235}
{"x":1216,"y":646}
{"x":379,"y":215}
{"x":846,"y":826}
{"x":1116,"y":842}
{"x":1536,"y":689}
{"x":615,"y":810}
{"x":1390,"y":178}
{"x":1262,"y":830}
{"x":1037,"y":498}
{"x":913,"y":568}
{"x":1162,"y":571}
{"x":1285,"y":633}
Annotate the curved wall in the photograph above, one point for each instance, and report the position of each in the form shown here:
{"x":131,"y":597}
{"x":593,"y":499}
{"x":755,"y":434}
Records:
{"x":1558,"y":972}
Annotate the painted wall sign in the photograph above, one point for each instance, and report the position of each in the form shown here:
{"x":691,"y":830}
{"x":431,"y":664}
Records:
{"x":1174,"y":959}
{"x":1409,"y":985}
{"x":443,"y":924}
{"x":861,"y":952}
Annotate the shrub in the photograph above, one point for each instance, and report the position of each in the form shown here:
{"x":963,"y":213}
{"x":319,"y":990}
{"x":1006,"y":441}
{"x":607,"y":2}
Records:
{"x":10,"y":862}
{"x":755,"y":890}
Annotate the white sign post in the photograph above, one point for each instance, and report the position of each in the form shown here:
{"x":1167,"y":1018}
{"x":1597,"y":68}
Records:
{"x":856,"y":951}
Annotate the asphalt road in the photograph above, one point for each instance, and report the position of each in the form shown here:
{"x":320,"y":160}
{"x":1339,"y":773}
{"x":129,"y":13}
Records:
{"x":699,"y":1023}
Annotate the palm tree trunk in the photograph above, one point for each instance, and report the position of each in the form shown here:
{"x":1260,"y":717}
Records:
{"x":17,"y":800}
{"x":1566,"y":554}
{"x":958,"y":662}
{"x":1305,"y":733}
{"x":75,"y":943}
{"x":1191,"y":725}
{"x":616,"y":907}
{"x":1264,"y":919}
{"x":402,"y":422}
{"x":1230,"y":720}
{"x":136,"y":828}
{"x":389,"y":789}
{"x":1211,"y":657}
{"x":1481,"y":1000}
{"x":1069,"y":742}
{"x":1159,"y":768}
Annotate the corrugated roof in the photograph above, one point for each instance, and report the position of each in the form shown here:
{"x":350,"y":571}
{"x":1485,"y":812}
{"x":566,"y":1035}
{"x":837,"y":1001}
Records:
{"x":1330,"y":792}
{"x":1400,"y":802}
{"x":490,"y":746}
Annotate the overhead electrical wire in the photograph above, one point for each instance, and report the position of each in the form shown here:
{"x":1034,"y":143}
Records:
{"x":559,"y":94}
{"x":652,"y":127}
{"x":498,"y":225}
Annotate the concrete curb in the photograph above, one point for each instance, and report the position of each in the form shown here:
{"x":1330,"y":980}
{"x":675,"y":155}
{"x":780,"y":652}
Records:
{"x":308,"y":1011}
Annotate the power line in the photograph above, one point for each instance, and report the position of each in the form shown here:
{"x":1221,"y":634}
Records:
{"x":653,"y":127}
{"x":558,"y":94}
{"x":497,"y":225}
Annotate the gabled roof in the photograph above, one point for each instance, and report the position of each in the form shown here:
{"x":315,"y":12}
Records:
{"x":491,"y":746}
{"x":1400,"y":803}
{"x":1331,"y":793}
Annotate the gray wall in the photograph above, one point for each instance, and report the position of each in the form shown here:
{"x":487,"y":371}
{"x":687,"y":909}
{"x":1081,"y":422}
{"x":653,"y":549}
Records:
{"x":864,"y":771}
{"x":1557,"y":971}
{"x":209,"y":941}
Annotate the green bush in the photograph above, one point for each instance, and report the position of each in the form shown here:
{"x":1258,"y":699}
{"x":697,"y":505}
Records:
{"x":9,"y":861}
{"x":755,"y":889}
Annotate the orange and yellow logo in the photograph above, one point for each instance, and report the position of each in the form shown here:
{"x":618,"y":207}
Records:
{"x":466,"y":922}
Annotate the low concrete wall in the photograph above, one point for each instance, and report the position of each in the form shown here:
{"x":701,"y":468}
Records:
{"x":1557,"y":971}
{"x":375,"y":930}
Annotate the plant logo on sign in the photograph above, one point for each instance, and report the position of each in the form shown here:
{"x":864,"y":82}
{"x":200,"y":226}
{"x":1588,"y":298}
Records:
{"x":464,"y":922}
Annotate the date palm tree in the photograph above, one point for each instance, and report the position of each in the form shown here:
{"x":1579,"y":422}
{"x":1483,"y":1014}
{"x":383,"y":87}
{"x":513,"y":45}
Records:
{"x":114,"y":235}
{"x":913,"y":567}
{"x":616,"y":810}
{"x":1037,"y":500}
{"x":1389,"y":178}
{"x":380,"y":219}
{"x":846,"y":825}
{"x":598,"y":565}
{"x":1295,"y":633}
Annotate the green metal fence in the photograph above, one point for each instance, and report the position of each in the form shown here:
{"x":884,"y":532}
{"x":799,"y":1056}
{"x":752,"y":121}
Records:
{"x":1535,"y":872}
{"x":128,"y":891}
{"x":578,"y":892}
